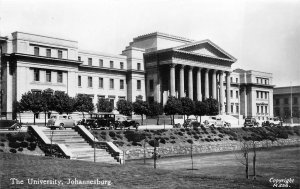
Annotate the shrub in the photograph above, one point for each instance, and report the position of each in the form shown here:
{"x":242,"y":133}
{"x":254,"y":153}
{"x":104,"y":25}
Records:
{"x":119,"y":136}
{"x":202,"y":140}
{"x":2,"y":144}
{"x":182,"y":130}
{"x":112,"y":134}
{"x":1,"y":150}
{"x":103,"y":133}
{"x":230,"y":138}
{"x":30,"y":139}
{"x":3,"y":140}
{"x":173,"y":141}
{"x":172,"y":137}
{"x":214,"y":132}
{"x":13,"y":150}
{"x":206,"y":132}
{"x":207,"y":139}
{"x":215,"y":139}
{"x":180,"y":133}
{"x":189,"y":133}
{"x":14,"y":144}
{"x":196,"y":137}
{"x":20,"y":149}
{"x":154,"y":143}
{"x":118,"y":143}
{"x":190,"y":141}
{"x":134,"y":136}
{"x":163,"y":141}
{"x":24,"y":144}
{"x":220,"y":135}
{"x":211,"y":140}
{"x":114,"y":138}
{"x":136,"y":144}
{"x":208,"y":136}
{"x":244,"y":128}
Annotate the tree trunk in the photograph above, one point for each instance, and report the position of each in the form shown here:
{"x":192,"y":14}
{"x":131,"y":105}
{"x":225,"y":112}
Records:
{"x":247,"y":166}
{"x":142,"y":120}
{"x":157,"y":120}
{"x":154,"y":157}
{"x":45,"y":118}
{"x":34,"y":119}
{"x":254,"y":161}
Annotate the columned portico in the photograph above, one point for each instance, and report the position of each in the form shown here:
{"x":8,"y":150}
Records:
{"x":181,"y":78}
{"x":221,"y":91}
{"x":172,"y":80}
{"x":191,"y":83}
{"x":199,"y":95}
{"x":228,"y":105}
{"x":214,"y":84}
{"x":206,"y":84}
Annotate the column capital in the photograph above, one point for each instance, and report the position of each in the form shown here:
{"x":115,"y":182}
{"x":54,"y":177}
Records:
{"x":207,"y":69}
{"x":191,"y":67}
{"x":221,"y":71}
{"x":228,"y":72}
{"x":198,"y":68}
{"x":214,"y":70}
{"x":172,"y":65}
{"x":181,"y":66}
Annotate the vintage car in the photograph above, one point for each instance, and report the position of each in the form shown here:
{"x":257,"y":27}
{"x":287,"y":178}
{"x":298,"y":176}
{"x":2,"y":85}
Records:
{"x":214,"y":121}
{"x":61,"y":121}
{"x":191,"y":123}
{"x":123,"y":122}
{"x":250,"y":122}
{"x":272,"y":121}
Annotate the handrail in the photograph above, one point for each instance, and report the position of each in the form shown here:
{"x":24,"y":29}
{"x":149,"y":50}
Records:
{"x":45,"y":140}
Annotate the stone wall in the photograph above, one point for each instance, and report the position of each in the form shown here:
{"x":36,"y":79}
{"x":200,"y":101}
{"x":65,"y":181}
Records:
{"x":177,"y":150}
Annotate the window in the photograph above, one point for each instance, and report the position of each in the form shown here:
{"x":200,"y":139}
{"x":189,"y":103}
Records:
{"x":236,"y":80}
{"x":111,"y":64}
{"x":231,"y":80}
{"x":262,"y":94}
{"x":277,"y":101}
{"x":90,"y":82}
{"x":231,"y":108}
{"x":262,"y":109}
{"x":257,"y":94}
{"x":48,"y":52}
{"x":79,"y":58}
{"x":111,"y":83}
{"x":151,"y":85}
{"x":60,"y":54}
{"x":101,"y":82}
{"x":48,"y":75}
{"x":36,"y":51}
{"x":90,"y":61}
{"x":139,"y":85}
{"x":266,"y":95}
{"x":121,"y":65}
{"x":36,"y":74}
{"x":237,"y":94}
{"x":100,"y":63}
{"x":286,"y":101}
{"x":295,"y":100}
{"x":79,"y":81}
{"x":237,"y":109}
{"x":257,"y":80}
{"x":59,"y":77}
{"x":231,"y":93}
{"x":266,"y":109}
{"x":277,"y":112}
{"x":138,"y":66}
{"x":121,"y":84}
{"x":257,"y":109}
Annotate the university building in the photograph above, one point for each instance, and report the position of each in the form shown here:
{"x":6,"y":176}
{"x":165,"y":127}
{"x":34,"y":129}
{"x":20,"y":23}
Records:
{"x":152,"y":67}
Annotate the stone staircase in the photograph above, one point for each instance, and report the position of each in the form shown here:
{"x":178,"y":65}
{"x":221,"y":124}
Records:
{"x":80,"y":149}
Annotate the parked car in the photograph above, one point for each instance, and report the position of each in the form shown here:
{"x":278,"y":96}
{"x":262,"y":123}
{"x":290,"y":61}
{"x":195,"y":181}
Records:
{"x":15,"y":126}
{"x":250,"y":122}
{"x":272,"y":121}
{"x":123,"y":122}
{"x":61,"y":121}
{"x":190,"y":123}
{"x":214,"y":121}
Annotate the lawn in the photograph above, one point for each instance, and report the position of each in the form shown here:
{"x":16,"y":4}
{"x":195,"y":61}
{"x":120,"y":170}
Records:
{"x":277,"y":163}
{"x":131,"y":175}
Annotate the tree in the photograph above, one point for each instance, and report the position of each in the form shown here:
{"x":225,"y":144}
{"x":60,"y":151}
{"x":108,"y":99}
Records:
{"x":124,"y":107}
{"x":155,"y":109}
{"x":213,"y":106}
{"x":243,"y":157}
{"x":47,"y":97}
{"x":62,"y":102}
{"x":32,"y":102}
{"x":201,"y":109}
{"x":83,"y":103}
{"x":140,"y":108}
{"x":104,"y":105}
{"x":187,"y":106}
{"x":172,"y":107}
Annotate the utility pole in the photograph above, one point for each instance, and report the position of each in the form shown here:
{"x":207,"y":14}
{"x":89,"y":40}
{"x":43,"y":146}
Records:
{"x":291,"y":104}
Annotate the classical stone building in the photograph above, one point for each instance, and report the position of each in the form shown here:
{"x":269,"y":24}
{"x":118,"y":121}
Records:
{"x":153,"y":66}
{"x":286,"y":98}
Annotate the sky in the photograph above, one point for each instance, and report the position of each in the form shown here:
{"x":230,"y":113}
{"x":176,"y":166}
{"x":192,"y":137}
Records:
{"x":263,"y":35}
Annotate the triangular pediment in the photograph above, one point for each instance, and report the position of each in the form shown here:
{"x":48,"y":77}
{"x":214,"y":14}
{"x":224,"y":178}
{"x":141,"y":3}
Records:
{"x":205,"y":48}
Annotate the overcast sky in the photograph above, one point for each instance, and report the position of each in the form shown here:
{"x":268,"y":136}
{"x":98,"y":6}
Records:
{"x":263,"y":35}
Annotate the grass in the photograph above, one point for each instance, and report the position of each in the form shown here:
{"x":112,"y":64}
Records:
{"x":131,"y":175}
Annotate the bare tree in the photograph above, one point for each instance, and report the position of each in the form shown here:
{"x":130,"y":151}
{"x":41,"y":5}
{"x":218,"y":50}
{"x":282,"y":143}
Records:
{"x":243,"y":156}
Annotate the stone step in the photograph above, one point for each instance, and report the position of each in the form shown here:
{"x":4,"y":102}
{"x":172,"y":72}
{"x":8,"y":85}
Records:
{"x":86,"y":150}
{"x":63,"y":134}
{"x":81,"y":156}
{"x":69,"y":140}
{"x":97,"y":159}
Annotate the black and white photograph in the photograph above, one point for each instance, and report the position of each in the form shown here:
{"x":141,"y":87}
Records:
{"x":138,"y":94}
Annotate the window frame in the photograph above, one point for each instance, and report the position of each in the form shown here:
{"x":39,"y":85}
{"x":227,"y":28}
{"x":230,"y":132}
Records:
{"x":48,"y":76}
{"x":60,"y":77}
{"x":59,"y":54}
{"x":90,"y":82}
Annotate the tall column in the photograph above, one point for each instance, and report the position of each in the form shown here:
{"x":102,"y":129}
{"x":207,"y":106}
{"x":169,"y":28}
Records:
{"x":181,"y":91}
{"x":199,"y":95}
{"x":222,"y":91}
{"x":191,"y":83}
{"x":172,"y":80}
{"x":206,"y":84}
{"x":214,"y":84}
{"x":228,"y":105}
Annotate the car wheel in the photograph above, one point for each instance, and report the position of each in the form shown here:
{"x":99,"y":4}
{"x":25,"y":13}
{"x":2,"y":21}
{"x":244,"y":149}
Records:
{"x":61,"y":126}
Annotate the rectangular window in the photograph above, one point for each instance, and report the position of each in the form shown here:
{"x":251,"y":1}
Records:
{"x":277,"y":101}
{"x":48,"y":75}
{"x":237,"y":109}
{"x":101,"y":82}
{"x":231,"y":93}
{"x":90,"y":82}
{"x":48,"y":52}
{"x":266,"y":109}
{"x":59,"y":77}
{"x":60,"y":54}
{"x":257,"y":109}
{"x":79,"y":81}
{"x":139,"y":85}
{"x":257,"y":80}
{"x":257,"y":94}
{"x":90,"y":61}
{"x":295,"y":100}
{"x":231,"y":108}
{"x":151,"y":85}
{"x":79,"y":58}
{"x":111,"y":64}
{"x":286,"y":101}
{"x":111,"y":83}
{"x":231,"y":80}
{"x":262,"y":94}
{"x":237,"y":94}
{"x":266,"y":95}
{"x":138,"y":66}
{"x":262,"y":109}
{"x":36,"y":74}
{"x":236,"y":80}
{"x":121,"y":65}
{"x":36,"y":51}
{"x":121,"y":84}
{"x":100,"y":63}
